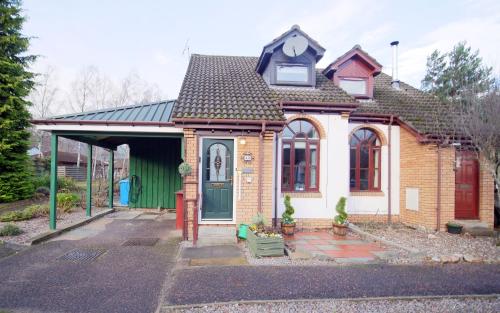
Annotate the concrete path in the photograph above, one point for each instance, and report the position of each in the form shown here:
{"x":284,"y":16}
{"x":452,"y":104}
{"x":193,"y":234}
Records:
{"x":220,"y":284}
{"x":122,"y":279}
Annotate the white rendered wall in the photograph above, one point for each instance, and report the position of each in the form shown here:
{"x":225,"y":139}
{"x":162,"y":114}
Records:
{"x":334,"y":174}
{"x":334,"y":171}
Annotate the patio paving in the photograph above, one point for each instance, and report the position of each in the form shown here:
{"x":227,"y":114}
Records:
{"x":343,"y":249}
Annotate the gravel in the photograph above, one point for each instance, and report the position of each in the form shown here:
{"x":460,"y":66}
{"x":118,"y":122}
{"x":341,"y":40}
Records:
{"x":430,"y":305}
{"x":435,"y":244}
{"x":39,"y":225}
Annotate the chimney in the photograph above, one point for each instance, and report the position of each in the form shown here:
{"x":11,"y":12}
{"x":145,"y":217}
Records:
{"x":395,"y":77}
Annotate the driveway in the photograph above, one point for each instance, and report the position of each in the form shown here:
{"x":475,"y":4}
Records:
{"x":220,"y":284}
{"x":124,"y":278}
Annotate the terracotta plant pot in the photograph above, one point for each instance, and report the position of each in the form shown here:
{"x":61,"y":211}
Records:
{"x":288,"y":229}
{"x":340,"y":230}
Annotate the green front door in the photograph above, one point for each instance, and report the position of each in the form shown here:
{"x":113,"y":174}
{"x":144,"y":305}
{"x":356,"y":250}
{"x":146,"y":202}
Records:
{"x":217,"y":179}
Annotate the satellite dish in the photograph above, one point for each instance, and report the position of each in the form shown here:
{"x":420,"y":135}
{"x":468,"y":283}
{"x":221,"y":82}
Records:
{"x":295,"y":46}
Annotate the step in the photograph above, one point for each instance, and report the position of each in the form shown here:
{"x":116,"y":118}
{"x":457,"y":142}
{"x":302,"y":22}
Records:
{"x":216,"y":235}
{"x":475,"y":227}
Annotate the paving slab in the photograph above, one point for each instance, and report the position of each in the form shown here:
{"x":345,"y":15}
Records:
{"x":218,"y":261}
{"x":209,"y":252}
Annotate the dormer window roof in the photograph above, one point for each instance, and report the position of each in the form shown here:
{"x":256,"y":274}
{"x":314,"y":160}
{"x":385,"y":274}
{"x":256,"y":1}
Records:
{"x":354,"y":72}
{"x":317,"y":50}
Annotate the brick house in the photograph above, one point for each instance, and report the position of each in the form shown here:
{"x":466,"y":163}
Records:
{"x":255,"y":129}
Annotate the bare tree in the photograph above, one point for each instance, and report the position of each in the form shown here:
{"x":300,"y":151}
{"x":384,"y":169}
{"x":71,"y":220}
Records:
{"x":81,"y":93}
{"x":43,"y":98}
{"x":477,"y":118}
{"x":102,"y":91}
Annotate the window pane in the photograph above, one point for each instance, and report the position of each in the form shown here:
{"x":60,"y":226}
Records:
{"x":300,"y":166}
{"x":353,"y":87}
{"x":313,"y":159}
{"x":364,"y":157}
{"x":286,"y":154}
{"x":292,"y":73}
{"x":295,"y":126}
{"x":376,"y":170}
{"x":287,"y":133}
{"x":285,"y":177}
{"x":352,"y":179}
{"x":217,"y":162}
{"x":363,"y":179}
{"x":353,"y":157}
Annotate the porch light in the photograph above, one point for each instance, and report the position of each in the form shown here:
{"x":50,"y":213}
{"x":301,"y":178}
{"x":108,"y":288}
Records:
{"x":243,"y":141}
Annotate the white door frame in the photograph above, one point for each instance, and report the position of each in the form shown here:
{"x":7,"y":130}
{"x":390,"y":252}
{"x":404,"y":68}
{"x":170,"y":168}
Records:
{"x":200,"y":179}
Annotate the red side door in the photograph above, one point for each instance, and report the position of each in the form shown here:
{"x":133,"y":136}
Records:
{"x":466,"y":186}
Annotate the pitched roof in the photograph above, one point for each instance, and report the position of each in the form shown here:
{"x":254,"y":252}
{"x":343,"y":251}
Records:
{"x":228,"y":87}
{"x":157,"y":112}
{"x":413,"y":106}
{"x":356,"y":50}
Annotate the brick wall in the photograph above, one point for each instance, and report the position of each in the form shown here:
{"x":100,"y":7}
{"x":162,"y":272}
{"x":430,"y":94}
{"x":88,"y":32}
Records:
{"x":191,"y":181}
{"x":486,"y":196}
{"x":419,"y":165}
{"x":247,"y":201}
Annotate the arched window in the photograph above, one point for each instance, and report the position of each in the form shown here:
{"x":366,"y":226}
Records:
{"x":365,"y":160}
{"x":300,"y":160}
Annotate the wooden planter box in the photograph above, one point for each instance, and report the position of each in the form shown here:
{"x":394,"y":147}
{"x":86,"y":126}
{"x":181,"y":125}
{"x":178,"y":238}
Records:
{"x":265,"y":246}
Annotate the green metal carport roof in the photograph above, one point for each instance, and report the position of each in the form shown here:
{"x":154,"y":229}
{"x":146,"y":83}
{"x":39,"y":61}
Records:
{"x":158,"y":112}
{"x":111,"y":127}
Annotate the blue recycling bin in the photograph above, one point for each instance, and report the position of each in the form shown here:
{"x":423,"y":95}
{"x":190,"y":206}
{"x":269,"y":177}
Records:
{"x":124,"y":190}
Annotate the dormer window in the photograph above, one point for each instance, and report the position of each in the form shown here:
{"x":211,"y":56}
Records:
{"x":354,"y":72}
{"x":292,"y":74}
{"x":354,"y":86}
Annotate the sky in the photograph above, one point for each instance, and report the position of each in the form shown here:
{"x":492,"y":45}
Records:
{"x":154,"y":38}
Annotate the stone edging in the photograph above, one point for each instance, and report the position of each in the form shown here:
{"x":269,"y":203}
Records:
{"x":372,"y":237}
{"x":389,"y":298}
{"x":54,"y":233}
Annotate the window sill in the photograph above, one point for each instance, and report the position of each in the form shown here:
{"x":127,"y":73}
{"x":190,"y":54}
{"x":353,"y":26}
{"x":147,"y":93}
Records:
{"x":367,"y":193}
{"x":302,"y":194}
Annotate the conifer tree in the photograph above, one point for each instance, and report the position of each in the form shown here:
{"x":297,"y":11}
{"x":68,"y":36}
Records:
{"x":16,"y":81}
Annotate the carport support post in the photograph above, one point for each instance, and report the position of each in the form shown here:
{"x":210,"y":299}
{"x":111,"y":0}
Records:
{"x":89,"y":181}
{"x":53,"y":180}
{"x":111,"y":171}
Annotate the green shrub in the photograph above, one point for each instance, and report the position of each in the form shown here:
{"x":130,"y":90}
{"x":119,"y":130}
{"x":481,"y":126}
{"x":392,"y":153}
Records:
{"x":37,"y":210}
{"x":10,"y":230}
{"x":341,"y":217}
{"x":67,"y":183}
{"x":15,"y":216}
{"x":42,"y":181}
{"x":67,"y":201}
{"x":287,"y":216}
{"x":62,"y":183}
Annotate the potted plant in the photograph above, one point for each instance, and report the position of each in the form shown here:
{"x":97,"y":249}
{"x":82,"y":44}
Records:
{"x":340,"y":221}
{"x":185,"y":169}
{"x":264,"y":242}
{"x":287,"y":220}
{"x":454,"y":228}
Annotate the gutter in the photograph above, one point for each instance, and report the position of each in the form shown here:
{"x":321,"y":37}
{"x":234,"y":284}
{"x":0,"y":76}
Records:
{"x":107,"y":123}
{"x":276,"y":146}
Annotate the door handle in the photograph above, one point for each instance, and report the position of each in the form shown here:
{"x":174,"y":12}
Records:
{"x":231,"y":180}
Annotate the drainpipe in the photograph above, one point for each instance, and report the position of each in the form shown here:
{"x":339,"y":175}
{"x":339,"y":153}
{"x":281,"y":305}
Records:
{"x":438,"y":207}
{"x":261,"y":165}
{"x":389,"y":181}
{"x":276,"y":146}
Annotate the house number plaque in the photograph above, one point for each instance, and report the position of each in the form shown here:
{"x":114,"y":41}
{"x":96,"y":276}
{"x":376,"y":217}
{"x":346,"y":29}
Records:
{"x":247,"y":157}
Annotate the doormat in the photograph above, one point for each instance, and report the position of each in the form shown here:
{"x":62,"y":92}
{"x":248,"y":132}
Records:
{"x":149,"y":242}
{"x":83,"y":254}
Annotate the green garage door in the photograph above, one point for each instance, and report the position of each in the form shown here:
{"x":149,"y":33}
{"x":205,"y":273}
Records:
{"x":153,"y":172}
